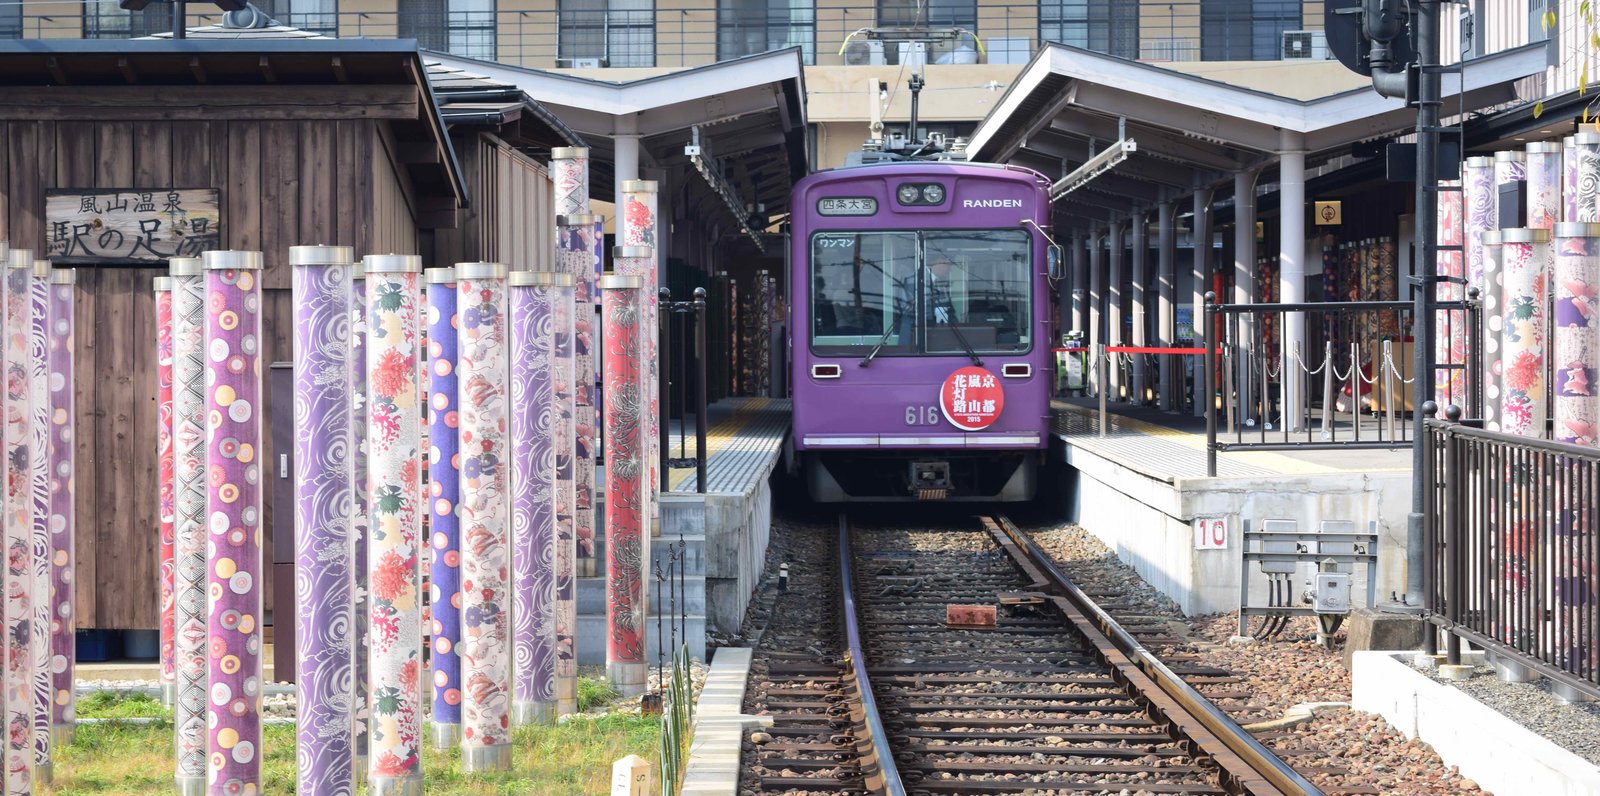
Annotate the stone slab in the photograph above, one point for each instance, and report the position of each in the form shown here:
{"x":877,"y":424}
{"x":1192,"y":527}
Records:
{"x":719,"y":725}
{"x":1368,"y":629}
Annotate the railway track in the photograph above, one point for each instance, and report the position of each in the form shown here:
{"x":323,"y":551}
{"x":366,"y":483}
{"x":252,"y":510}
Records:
{"x":1055,"y":698}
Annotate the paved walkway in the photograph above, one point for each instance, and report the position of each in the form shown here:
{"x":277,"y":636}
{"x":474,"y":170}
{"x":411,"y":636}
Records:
{"x":744,"y":440}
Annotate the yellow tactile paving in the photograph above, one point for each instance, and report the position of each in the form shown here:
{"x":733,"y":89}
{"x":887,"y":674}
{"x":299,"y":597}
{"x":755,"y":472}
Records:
{"x":723,"y":431}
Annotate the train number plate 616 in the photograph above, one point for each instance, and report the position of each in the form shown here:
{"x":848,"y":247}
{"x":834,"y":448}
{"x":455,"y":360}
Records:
{"x":922,"y":415}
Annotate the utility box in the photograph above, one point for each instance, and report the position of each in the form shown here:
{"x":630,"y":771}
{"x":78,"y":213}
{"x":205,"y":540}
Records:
{"x":1331,"y":594}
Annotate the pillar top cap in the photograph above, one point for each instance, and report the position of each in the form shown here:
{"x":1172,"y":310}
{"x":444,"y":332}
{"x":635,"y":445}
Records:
{"x":184,"y":266}
{"x":1492,"y":237}
{"x":392,"y":264}
{"x":163,"y":284}
{"x":41,"y":269}
{"x":1586,"y":138}
{"x":20,"y":258}
{"x":638,"y":186}
{"x":568,"y":152}
{"x":482,"y":270}
{"x":1509,"y":156}
{"x":1525,"y":235}
{"x":542,"y":279}
{"x":612,"y":280}
{"x":441,"y":276}
{"x":67,"y":276}
{"x":231,"y":260}
{"x":321,"y":255}
{"x":1542,"y":147}
{"x":1577,"y":229}
{"x":576,"y":220}
{"x":1480,"y":161}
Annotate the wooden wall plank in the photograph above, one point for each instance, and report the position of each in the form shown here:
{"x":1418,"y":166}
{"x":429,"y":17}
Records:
{"x":25,"y":226}
{"x":350,"y":233}
{"x":362,"y":146}
{"x":152,"y":155}
{"x":319,"y":205}
{"x":242,"y":227}
{"x":279,"y":205}
{"x":191,"y":155}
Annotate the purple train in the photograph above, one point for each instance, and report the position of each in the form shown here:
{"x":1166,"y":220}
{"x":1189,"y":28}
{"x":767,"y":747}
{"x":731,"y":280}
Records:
{"x":921,"y":326}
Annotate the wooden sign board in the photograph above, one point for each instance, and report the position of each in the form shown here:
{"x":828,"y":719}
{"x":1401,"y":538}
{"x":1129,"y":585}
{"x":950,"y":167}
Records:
{"x":132,"y":226}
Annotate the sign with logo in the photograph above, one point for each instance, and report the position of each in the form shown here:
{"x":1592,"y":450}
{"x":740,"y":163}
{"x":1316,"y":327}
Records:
{"x":1210,"y":533}
{"x":847,"y":206}
{"x":1329,"y":213}
{"x":972,"y":399}
{"x":92,"y":226}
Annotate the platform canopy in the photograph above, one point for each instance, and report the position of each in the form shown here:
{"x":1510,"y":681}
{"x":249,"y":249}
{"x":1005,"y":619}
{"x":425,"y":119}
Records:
{"x":749,"y":114}
{"x":1070,"y":104}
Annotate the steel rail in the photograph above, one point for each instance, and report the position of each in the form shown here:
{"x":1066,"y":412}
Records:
{"x":878,"y":767}
{"x":1247,"y":765}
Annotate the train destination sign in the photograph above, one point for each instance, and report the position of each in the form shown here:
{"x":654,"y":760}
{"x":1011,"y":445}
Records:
{"x":847,"y":206}
{"x":972,"y":399}
{"x":87,"y":226}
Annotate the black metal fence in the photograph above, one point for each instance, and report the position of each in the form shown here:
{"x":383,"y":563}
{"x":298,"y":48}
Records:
{"x":1512,"y":532}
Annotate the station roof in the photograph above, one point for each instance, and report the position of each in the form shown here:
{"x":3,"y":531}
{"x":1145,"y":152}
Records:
{"x":750,"y":113}
{"x":1070,"y":103}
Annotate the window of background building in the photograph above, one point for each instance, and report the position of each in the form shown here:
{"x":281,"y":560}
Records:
{"x":104,"y":19}
{"x":609,"y":32}
{"x":747,"y":27}
{"x":928,"y":13}
{"x":317,"y":16}
{"x":459,"y":27}
{"x":1246,"y":30}
{"x":11,"y":21}
{"x":1106,"y":26}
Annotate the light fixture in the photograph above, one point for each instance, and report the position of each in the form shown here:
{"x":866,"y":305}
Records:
{"x":933,"y":193}
{"x":908,"y":194}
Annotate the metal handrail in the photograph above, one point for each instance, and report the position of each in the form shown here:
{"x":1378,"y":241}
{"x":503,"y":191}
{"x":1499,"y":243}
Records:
{"x":887,"y":772}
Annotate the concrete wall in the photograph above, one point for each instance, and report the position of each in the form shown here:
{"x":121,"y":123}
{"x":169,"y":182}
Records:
{"x":737,"y":530}
{"x":1147,"y":522}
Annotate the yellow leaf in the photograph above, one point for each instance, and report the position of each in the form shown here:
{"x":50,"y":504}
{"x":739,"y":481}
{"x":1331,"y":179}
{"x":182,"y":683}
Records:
{"x":1538,"y":109}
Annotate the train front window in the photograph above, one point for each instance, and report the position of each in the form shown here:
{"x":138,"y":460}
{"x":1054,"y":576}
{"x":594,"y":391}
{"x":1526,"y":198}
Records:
{"x":921,"y":293}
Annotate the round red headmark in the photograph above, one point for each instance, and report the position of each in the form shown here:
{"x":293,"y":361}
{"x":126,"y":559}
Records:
{"x":972,"y":399}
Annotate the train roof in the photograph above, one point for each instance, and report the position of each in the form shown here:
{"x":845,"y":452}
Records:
{"x":922,"y":167}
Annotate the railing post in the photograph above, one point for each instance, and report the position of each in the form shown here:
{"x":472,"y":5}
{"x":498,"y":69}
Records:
{"x":1211,"y":382}
{"x":664,"y":331}
{"x":1454,"y":536}
{"x":1100,"y":385}
{"x":1327,"y":390}
{"x":700,"y":389}
{"x":1431,"y":539}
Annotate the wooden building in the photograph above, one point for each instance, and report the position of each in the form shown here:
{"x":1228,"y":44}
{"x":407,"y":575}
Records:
{"x":303,"y":141}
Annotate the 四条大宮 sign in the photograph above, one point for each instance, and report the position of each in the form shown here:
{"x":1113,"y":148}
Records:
{"x":86,"y":226}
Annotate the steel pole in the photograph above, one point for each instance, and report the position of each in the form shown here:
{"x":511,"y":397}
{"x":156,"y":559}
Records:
{"x":1427,"y":39}
{"x":700,"y":389}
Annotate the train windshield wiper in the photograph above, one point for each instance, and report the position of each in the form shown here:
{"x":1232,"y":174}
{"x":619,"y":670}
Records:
{"x":882,"y":341}
{"x":965,"y":346}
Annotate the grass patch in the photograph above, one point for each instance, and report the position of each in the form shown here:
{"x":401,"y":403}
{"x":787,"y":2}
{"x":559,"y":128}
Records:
{"x":573,"y":757}
{"x":593,"y":692}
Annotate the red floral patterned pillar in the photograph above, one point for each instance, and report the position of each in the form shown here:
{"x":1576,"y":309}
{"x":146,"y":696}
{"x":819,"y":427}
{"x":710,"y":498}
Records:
{"x":627,"y":540}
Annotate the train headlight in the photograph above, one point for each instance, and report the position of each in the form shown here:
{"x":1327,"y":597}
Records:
{"x":909,"y":194}
{"x":933,"y":194}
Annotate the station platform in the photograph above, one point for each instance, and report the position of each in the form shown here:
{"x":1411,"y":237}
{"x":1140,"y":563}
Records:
{"x":723,"y":531}
{"x":1140,"y":487}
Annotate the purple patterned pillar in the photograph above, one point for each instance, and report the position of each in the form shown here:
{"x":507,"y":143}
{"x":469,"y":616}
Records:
{"x":1542,"y":167}
{"x":360,"y":514}
{"x":627,"y":539}
{"x":579,"y":237}
{"x":563,"y":374}
{"x":19,"y":704}
{"x":1493,"y":385}
{"x":1569,"y":179}
{"x":39,"y":426}
{"x":233,"y":515}
{"x":444,"y":493}
{"x":163,"y":288}
{"x":1586,"y":149}
{"x":485,"y":531}
{"x":189,"y":522}
{"x":1525,"y":279}
{"x":532,"y":303}
{"x":1577,"y":334}
{"x":63,"y":558}
{"x":324,"y":575}
{"x":394,"y":528}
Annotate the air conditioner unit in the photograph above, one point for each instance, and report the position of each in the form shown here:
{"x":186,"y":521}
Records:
{"x":864,"y":52}
{"x":913,"y":54}
{"x":1304,"y":45}
{"x":581,"y":63}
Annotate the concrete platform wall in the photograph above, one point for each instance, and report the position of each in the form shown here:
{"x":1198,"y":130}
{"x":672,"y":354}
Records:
{"x":1147,"y":521}
{"x":737,"y":529}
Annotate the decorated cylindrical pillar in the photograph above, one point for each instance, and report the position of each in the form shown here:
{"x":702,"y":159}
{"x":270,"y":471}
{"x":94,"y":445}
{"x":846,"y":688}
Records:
{"x":444,"y":493}
{"x":1450,"y":342}
{"x":63,"y":516}
{"x":1577,"y":334}
{"x":1525,"y":254}
{"x":1569,"y":179}
{"x":1542,"y":166}
{"x":325,"y":639}
{"x":485,"y":529}
{"x":189,"y":522}
{"x":1479,"y":201}
{"x":627,"y":538}
{"x":394,"y":524}
{"x":636,"y":256}
{"x":563,"y":375}
{"x":233,"y":515}
{"x":579,"y":238}
{"x":19,"y":703}
{"x":360,"y":509}
{"x":166,"y":505}
{"x":1493,"y":386}
{"x":1586,"y":151}
{"x":39,"y":425}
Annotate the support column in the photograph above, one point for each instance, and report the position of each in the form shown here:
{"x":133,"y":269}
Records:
{"x":394,"y":524}
{"x":486,"y":559}
{"x":1199,"y":283}
{"x":1139,"y":335}
{"x":1114,"y":281}
{"x":63,"y":513}
{"x":324,"y":548}
{"x":444,"y":498}
{"x":1292,"y":273}
{"x":1166,"y":296}
{"x":39,"y":426}
{"x":233,"y":511}
{"x":189,"y":522}
{"x":163,"y":288}
{"x":19,"y":704}
{"x":1244,"y":288}
{"x":1097,"y":289}
{"x":578,"y":237}
{"x":627,"y":539}
{"x":1079,"y":318}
